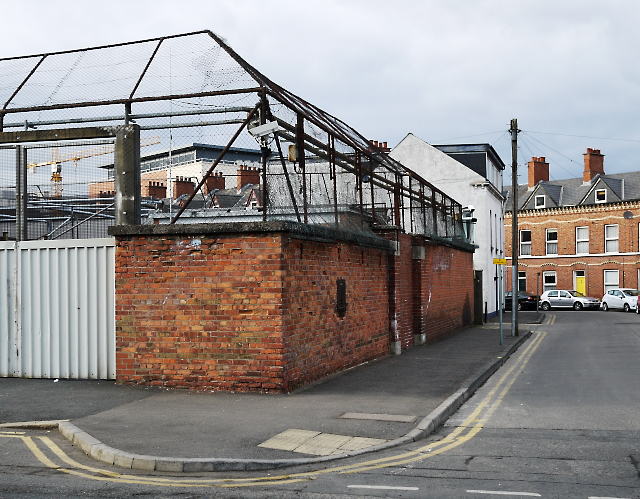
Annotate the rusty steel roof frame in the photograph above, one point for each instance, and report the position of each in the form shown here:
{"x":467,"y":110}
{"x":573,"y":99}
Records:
{"x":332,"y":126}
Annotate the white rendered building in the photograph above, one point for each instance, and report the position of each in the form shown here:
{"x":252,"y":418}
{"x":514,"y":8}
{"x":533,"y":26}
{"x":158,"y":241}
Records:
{"x":472,"y":175}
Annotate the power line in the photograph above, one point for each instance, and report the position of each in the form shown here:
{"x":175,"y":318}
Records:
{"x":558,"y":164}
{"x":545,"y":145}
{"x":499,"y":138}
{"x":584,"y":136}
{"x":524,"y":142}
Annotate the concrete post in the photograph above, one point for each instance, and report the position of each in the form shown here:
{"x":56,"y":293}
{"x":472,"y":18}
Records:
{"x":127,"y":175}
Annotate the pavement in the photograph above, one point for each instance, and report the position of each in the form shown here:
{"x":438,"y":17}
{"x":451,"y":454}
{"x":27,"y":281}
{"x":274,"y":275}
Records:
{"x":381,"y":404}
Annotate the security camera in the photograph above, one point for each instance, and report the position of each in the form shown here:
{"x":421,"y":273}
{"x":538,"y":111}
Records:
{"x":266,"y":129}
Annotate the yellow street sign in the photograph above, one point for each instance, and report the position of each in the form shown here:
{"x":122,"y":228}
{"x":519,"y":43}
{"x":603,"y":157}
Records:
{"x":499,"y":261}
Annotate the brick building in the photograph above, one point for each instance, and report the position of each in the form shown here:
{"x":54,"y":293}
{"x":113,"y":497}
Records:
{"x":169,"y":169}
{"x":255,"y":307}
{"x":579,"y":233}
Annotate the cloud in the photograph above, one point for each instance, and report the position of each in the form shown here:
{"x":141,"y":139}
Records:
{"x":438,"y":69}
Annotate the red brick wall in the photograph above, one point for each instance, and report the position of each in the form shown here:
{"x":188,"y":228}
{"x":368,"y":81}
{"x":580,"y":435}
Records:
{"x":432,"y":296}
{"x":317,"y":341}
{"x":443,"y":290}
{"x":565,"y":220}
{"x":400,"y":289}
{"x":257,"y":311}
{"x":200,"y":312}
{"x":249,"y":312}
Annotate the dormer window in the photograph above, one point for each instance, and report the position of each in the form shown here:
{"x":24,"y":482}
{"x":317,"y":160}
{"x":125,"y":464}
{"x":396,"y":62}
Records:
{"x":539,"y":202}
{"x":601,"y":195}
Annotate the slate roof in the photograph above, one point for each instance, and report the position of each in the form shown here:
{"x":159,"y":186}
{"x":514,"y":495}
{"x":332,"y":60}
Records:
{"x":574,"y":192}
{"x":232,"y":198}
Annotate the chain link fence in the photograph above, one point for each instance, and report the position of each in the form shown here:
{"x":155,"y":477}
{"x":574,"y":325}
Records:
{"x":199,"y":107}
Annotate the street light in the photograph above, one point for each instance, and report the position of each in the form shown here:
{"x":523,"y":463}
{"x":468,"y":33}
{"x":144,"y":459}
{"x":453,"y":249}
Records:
{"x":537,"y":294}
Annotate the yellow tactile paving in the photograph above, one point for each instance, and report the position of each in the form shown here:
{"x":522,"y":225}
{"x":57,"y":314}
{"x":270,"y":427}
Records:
{"x":289,"y":439}
{"x":323,"y":444}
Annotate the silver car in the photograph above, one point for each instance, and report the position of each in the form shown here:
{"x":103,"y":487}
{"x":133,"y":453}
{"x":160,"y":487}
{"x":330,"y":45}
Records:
{"x":624,"y":298}
{"x":562,"y":298}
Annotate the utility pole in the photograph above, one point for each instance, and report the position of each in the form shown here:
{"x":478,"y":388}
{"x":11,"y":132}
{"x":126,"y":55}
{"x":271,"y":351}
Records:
{"x":514,"y":227}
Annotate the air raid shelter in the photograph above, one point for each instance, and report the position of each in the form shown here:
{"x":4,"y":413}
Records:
{"x":173,"y":217}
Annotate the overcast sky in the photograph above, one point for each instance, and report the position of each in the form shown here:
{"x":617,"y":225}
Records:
{"x":446,"y":71}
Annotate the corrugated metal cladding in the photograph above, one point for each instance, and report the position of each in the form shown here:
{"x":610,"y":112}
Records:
{"x":8,"y":347}
{"x":64,"y":291}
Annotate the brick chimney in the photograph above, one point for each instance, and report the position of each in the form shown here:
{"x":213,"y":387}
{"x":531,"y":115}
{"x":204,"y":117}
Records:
{"x":215,"y":181}
{"x":248,"y":175}
{"x":157,"y":190}
{"x":182,"y":185}
{"x":593,"y":164}
{"x":380,"y":145}
{"x":538,"y":170}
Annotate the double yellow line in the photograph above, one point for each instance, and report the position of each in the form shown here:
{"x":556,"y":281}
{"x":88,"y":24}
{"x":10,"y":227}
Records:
{"x":463,"y":433}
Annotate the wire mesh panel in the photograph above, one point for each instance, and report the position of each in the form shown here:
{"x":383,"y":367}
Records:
{"x":8,"y":193}
{"x":68,"y":193}
{"x":220,"y":142}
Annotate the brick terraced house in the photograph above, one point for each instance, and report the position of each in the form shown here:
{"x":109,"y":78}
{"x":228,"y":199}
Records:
{"x":578,"y":233}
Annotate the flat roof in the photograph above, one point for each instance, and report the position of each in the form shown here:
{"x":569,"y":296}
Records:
{"x":471,"y":148}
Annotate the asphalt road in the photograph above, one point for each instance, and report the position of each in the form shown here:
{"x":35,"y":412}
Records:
{"x":560,"y":419}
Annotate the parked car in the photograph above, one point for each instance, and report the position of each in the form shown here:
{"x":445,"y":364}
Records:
{"x":563,"y":298}
{"x":623,"y":298}
{"x":525,"y":300}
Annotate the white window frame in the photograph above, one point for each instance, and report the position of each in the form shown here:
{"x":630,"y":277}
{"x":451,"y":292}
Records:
{"x":525,"y":244}
{"x":598,"y":201}
{"x":611,"y":279}
{"x":611,"y":243}
{"x":551,"y":242}
{"x":539,"y":206}
{"x":582,"y":241}
{"x":551,"y":286}
{"x":522,"y":277}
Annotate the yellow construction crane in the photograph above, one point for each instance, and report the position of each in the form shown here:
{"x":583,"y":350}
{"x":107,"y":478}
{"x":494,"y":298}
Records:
{"x":57,"y":159}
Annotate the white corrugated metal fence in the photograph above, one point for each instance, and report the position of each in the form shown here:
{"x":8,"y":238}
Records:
{"x":57,"y":310}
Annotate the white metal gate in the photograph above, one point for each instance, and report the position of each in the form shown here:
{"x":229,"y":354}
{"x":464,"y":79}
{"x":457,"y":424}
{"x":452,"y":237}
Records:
{"x":57,"y":309}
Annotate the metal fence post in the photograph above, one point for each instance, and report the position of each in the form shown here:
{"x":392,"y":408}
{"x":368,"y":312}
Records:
{"x":127,"y":175}
{"x":21,"y":193}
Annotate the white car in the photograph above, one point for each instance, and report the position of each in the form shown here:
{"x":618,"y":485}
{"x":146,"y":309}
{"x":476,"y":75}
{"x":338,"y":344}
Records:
{"x":622,"y":298}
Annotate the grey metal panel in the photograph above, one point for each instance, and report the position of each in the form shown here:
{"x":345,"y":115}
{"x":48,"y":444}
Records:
{"x":68,"y":308}
{"x":8,"y":331}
